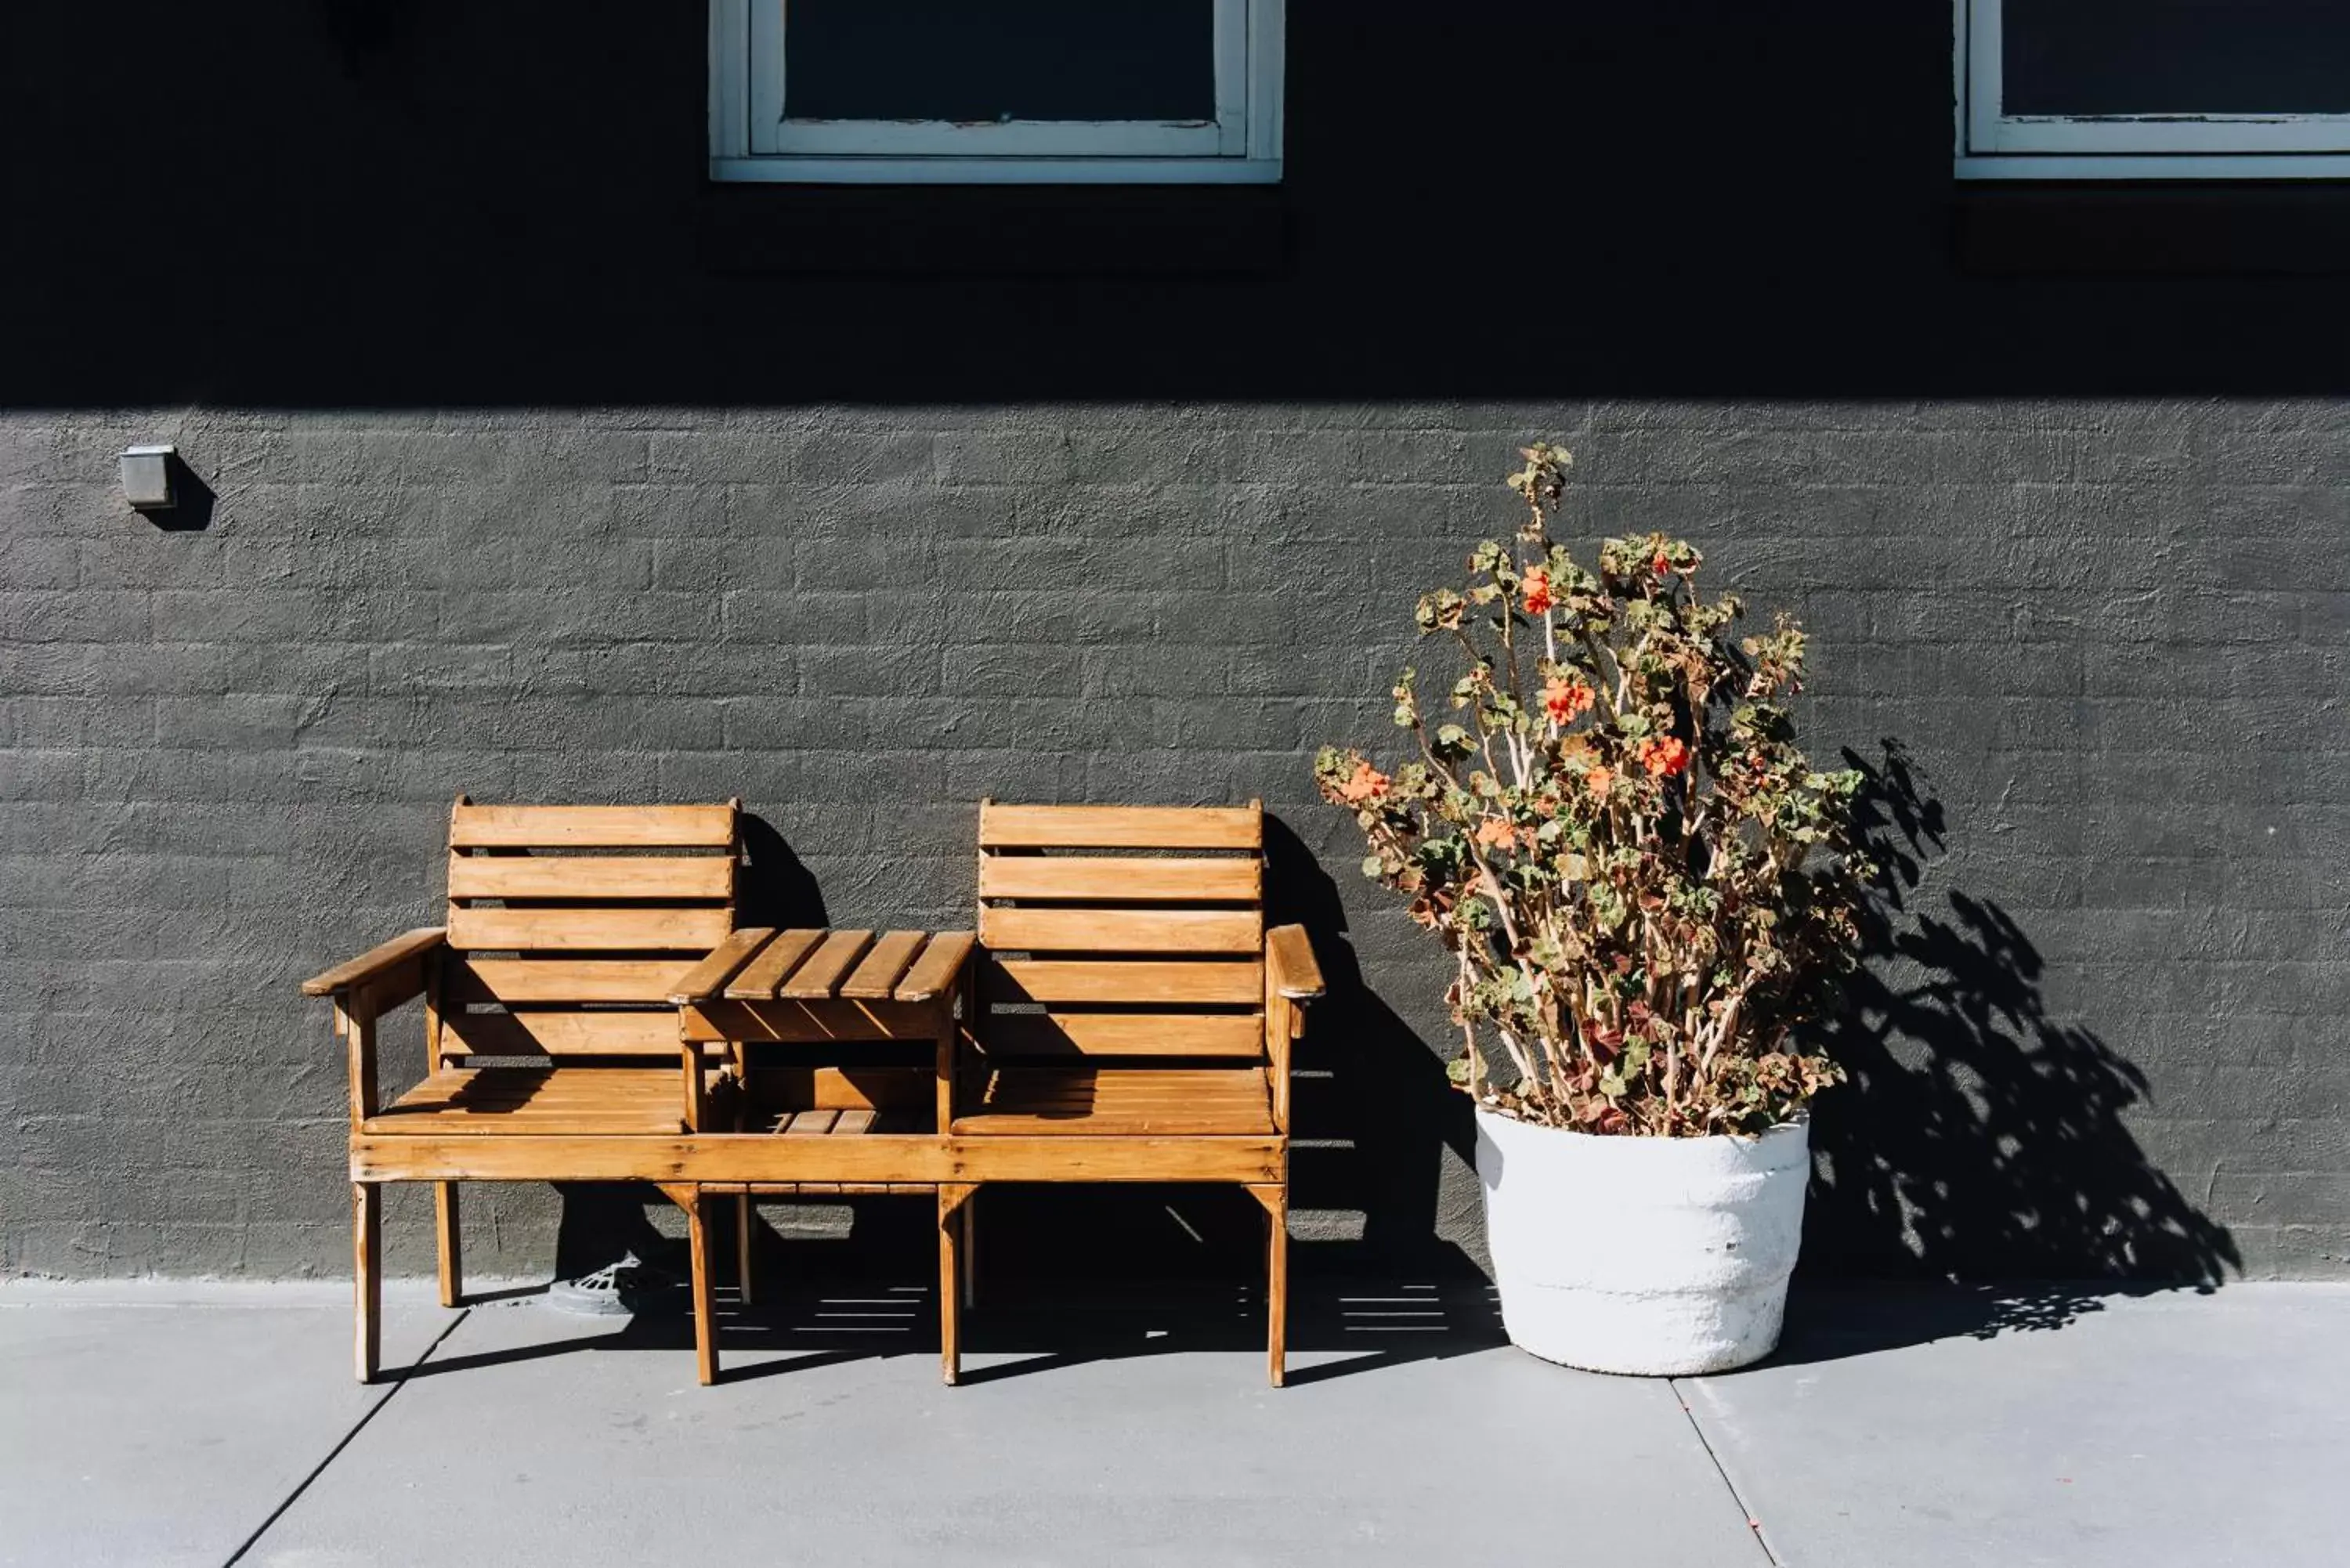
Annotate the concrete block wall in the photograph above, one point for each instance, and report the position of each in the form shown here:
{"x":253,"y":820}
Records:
{"x":2103,"y":1032}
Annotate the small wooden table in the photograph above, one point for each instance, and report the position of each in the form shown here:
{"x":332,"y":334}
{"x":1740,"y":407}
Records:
{"x":803,"y":991}
{"x":825,"y":988}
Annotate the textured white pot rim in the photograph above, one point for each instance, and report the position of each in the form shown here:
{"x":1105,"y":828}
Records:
{"x":1777,"y":1129}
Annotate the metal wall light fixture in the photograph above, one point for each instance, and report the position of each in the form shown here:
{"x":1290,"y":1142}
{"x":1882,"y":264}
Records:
{"x":147,"y":477}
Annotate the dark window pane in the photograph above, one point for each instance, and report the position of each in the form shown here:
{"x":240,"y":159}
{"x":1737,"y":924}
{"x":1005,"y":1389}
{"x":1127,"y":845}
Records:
{"x":2176,"y":57}
{"x":1000,"y":59}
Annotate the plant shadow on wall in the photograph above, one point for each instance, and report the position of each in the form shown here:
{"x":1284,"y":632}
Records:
{"x":1978,"y":1138}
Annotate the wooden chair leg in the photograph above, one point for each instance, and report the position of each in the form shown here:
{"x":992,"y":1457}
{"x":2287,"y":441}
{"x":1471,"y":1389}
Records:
{"x":444,"y":1224}
{"x":687,"y":1196}
{"x":952,"y":1195}
{"x":970,"y":1249}
{"x":744,"y":1214}
{"x":1276,"y":1270}
{"x":367,"y":1279}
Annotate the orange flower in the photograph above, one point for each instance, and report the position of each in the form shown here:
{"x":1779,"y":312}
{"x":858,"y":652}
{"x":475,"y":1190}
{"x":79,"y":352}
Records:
{"x":1367,"y":783}
{"x":1661,"y":565}
{"x":1496,"y":833}
{"x":1663,"y":755}
{"x":1538,"y":600}
{"x":1599,"y":781}
{"x":1564,"y":699}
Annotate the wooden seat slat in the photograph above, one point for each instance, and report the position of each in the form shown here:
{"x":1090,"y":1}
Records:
{"x":816,"y":979}
{"x":1139,"y":981}
{"x":1122,"y":931}
{"x":1088,"y":1099}
{"x":623,"y":930}
{"x":1128,"y":1082}
{"x":514,"y":1107}
{"x":938,"y":966}
{"x":875,"y":977}
{"x":766,"y":973}
{"x":1120,"y":827}
{"x":1069,"y":1036}
{"x":537,"y":1101}
{"x":810,"y":1124}
{"x":1228,"y":1102}
{"x":853,"y":1122}
{"x":591,"y":826}
{"x":654,"y":877}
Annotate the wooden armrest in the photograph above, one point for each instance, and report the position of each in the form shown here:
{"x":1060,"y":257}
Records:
{"x":707,"y":979}
{"x":375,"y":961}
{"x":1295,"y":974}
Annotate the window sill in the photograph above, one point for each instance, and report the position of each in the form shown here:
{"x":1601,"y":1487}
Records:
{"x":2298,"y":229}
{"x":2155,"y":166}
{"x":813,"y":170}
{"x":992,"y":230}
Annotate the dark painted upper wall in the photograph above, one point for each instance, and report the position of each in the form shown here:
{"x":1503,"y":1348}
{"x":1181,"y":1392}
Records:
{"x":328,"y":202}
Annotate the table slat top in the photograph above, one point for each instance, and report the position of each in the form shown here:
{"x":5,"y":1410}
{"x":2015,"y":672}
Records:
{"x":810,"y":965}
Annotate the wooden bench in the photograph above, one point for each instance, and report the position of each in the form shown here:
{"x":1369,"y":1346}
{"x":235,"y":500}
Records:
{"x":1132,"y":1006}
{"x":1128,"y":1018}
{"x":568,"y":929}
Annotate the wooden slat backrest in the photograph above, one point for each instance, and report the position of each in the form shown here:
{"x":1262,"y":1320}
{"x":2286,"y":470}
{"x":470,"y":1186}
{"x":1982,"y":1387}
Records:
{"x":1131,"y":932}
{"x":570,"y":925}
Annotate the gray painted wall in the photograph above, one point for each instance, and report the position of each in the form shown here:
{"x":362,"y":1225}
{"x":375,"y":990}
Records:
{"x":2104,"y":1033}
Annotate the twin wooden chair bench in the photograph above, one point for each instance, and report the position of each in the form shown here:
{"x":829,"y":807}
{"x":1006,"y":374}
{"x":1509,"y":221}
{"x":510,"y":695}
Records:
{"x":592,"y":1012}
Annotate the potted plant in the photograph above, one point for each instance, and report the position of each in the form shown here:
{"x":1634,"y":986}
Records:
{"x":1645,"y":888}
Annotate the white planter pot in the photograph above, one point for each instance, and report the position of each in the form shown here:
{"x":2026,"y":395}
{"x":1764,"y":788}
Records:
{"x":1666,"y":1256}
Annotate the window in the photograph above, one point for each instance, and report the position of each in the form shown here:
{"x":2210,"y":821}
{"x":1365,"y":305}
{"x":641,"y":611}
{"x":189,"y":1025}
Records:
{"x":925,"y":91}
{"x":2161,"y":89}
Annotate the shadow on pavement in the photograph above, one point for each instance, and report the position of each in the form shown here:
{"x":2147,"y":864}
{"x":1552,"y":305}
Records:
{"x":1830,"y":1320}
{"x":1050,"y":1325}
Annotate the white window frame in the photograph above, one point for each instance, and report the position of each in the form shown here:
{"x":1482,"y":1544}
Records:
{"x":1995,"y":145}
{"x":750,"y":137}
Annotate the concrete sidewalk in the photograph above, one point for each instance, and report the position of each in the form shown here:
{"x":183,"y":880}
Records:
{"x":209,"y":1424}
